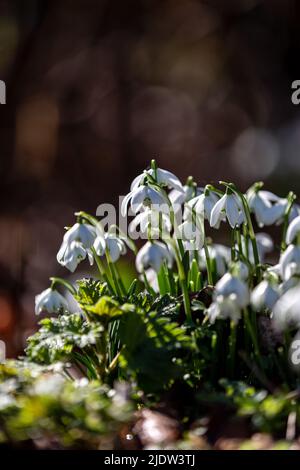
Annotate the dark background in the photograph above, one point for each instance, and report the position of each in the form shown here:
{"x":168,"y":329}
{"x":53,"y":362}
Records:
{"x":95,"y":89}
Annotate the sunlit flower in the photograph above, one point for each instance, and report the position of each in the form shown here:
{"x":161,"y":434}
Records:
{"x":240,"y":270}
{"x":204,"y":203}
{"x":294,"y":212}
{"x":293,"y":230}
{"x":143,"y":197}
{"x":230,"y":296}
{"x":232,"y":207}
{"x":190,"y":232}
{"x":286,"y":312}
{"x":264,"y":296}
{"x":223,"y":308}
{"x":152,"y":220}
{"x":179,"y":197}
{"x":267,"y":207}
{"x":153,"y":255}
{"x":290,"y":262}
{"x":229,"y":285}
{"x":50,"y":301}
{"x":162,"y":177}
{"x":115,"y":246}
{"x":76,"y":245}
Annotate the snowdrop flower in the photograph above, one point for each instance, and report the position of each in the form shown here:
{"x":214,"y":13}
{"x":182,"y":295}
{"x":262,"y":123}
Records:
{"x":293,"y":230}
{"x":163,"y":177}
{"x":224,"y":307}
{"x":289,"y":284}
{"x":264,"y":296}
{"x":153,"y":255}
{"x":230,"y":284}
{"x":72,"y":255}
{"x":50,"y":301}
{"x":295,"y":212}
{"x":151,"y":219}
{"x":231,"y":205}
{"x":191,"y":232}
{"x":230,"y":296}
{"x":142,"y":197}
{"x":204,"y":203}
{"x":240,"y":270}
{"x":76,"y":245}
{"x":290,"y":262}
{"x":179,"y":197}
{"x":286,"y":312}
{"x":267,"y":207}
{"x":115,"y":246}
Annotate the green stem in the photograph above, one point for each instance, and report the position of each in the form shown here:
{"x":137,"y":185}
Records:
{"x":208,"y":263}
{"x":291,"y":198}
{"x":232,"y":348}
{"x":183,"y":284}
{"x":59,"y":280}
{"x":253,"y":338}
{"x":249,"y":225}
{"x":113,"y":274}
{"x":102,"y":272}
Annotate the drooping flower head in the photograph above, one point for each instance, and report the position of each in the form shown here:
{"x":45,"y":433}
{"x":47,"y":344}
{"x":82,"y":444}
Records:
{"x":153,"y":255}
{"x":76,"y":245}
{"x":50,"y":301}
{"x":231,"y":206}
{"x":266,"y":206}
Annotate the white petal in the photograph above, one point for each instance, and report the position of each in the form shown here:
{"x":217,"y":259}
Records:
{"x":216,"y":213}
{"x":124,"y":204}
{"x":232,"y":210}
{"x":293,"y":230}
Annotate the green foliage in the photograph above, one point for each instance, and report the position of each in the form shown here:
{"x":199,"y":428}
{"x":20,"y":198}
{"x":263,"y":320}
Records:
{"x":153,"y":349}
{"x":58,"y":337}
{"x":39,"y":401}
{"x":90,"y":291}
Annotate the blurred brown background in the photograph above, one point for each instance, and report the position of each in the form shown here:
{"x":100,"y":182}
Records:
{"x":95,"y":89}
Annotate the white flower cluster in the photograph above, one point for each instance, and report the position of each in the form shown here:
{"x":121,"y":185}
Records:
{"x":175,"y":219}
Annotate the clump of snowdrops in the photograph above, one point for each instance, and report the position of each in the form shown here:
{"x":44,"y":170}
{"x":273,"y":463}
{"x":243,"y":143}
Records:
{"x":197,"y":311}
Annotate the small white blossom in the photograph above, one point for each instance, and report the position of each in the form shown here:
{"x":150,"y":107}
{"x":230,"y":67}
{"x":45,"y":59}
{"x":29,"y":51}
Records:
{"x":230,"y":284}
{"x":191,"y":232}
{"x":286,"y":312}
{"x":203,"y":204}
{"x":115,"y":246}
{"x":50,"y":301}
{"x":153,"y":255}
{"x":143,"y":197}
{"x":179,"y":197}
{"x":163,"y":177}
{"x":240,"y":269}
{"x":230,"y":296}
{"x":264,"y":296}
{"x":293,"y":230}
{"x":153,"y":220}
{"x":76,"y":245}
{"x":267,"y":207}
{"x":290,"y":262}
{"x":223,"y":308}
{"x":231,"y":206}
